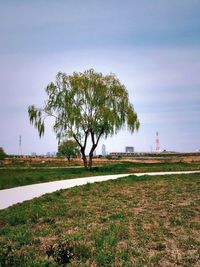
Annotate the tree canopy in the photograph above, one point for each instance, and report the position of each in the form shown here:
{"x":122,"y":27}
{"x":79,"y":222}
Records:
{"x":68,"y":149}
{"x":86,"y":105}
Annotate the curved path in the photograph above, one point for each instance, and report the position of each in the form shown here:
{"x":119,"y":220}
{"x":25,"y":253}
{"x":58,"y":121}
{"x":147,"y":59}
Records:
{"x":11,"y":196}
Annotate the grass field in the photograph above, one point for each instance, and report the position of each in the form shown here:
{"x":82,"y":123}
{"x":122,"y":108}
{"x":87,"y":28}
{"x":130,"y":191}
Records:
{"x":146,"y":221}
{"x":11,"y":177}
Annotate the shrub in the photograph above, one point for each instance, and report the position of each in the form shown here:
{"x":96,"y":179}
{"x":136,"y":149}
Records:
{"x":62,"y":252}
{"x":7,"y":257}
{"x":2,"y":154}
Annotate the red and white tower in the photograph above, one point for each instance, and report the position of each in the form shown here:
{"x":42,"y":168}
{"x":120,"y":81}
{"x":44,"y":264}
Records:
{"x":157,"y":142}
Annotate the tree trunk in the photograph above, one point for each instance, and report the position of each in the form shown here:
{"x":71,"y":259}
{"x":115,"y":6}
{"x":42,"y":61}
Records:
{"x":90,"y":162}
{"x":85,"y":162}
{"x":91,"y":156}
{"x":84,"y":158}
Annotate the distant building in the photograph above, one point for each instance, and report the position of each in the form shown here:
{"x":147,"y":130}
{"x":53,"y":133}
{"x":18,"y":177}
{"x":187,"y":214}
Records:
{"x":51,"y":154}
{"x":129,"y":149}
{"x":48,"y":154}
{"x":103,"y":150}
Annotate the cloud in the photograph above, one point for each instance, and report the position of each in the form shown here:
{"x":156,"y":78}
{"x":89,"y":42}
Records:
{"x":35,"y":27}
{"x":170,"y":117}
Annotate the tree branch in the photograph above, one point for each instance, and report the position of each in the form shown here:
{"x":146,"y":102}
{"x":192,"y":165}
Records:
{"x":99,"y":136}
{"x":77,"y":141}
{"x":92,"y":137}
{"x":86,"y":136}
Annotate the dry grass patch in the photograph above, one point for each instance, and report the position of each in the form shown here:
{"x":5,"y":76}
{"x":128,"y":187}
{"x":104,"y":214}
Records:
{"x":146,"y":221}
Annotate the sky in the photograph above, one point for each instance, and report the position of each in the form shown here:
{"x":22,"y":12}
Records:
{"x":153,"y":47}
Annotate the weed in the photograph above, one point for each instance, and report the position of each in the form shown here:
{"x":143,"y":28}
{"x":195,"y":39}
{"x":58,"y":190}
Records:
{"x":117,"y":216}
{"x":175,"y":222}
{"x":105,"y":258}
{"x":61,"y":252}
{"x":190,"y":243}
{"x":160,"y":246}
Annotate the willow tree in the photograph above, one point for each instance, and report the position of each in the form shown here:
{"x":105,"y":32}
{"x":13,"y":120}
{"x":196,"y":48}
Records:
{"x":85,"y":106}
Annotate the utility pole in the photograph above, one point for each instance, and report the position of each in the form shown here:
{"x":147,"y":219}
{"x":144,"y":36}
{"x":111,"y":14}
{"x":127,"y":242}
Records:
{"x":157,"y":142}
{"x":20,"y":145}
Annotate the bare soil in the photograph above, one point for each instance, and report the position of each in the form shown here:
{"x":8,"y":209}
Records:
{"x":101,"y":161}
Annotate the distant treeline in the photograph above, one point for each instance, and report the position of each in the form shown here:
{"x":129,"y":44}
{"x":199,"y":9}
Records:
{"x":154,"y":154}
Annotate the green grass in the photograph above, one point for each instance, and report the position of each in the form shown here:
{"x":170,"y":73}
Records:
{"x":11,"y":177}
{"x":18,"y":177}
{"x":133,"y":221}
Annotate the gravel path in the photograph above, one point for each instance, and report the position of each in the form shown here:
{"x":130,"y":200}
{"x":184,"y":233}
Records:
{"x":11,"y":196}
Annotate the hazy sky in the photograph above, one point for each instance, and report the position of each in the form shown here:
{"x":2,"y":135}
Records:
{"x":152,"y":46}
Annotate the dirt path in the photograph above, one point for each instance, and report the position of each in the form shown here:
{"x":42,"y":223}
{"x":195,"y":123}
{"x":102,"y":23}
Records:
{"x":9,"y":197}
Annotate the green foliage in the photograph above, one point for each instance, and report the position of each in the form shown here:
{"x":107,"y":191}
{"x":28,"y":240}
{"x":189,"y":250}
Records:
{"x":86,"y":104}
{"x":68,"y":149}
{"x":2,"y":154}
